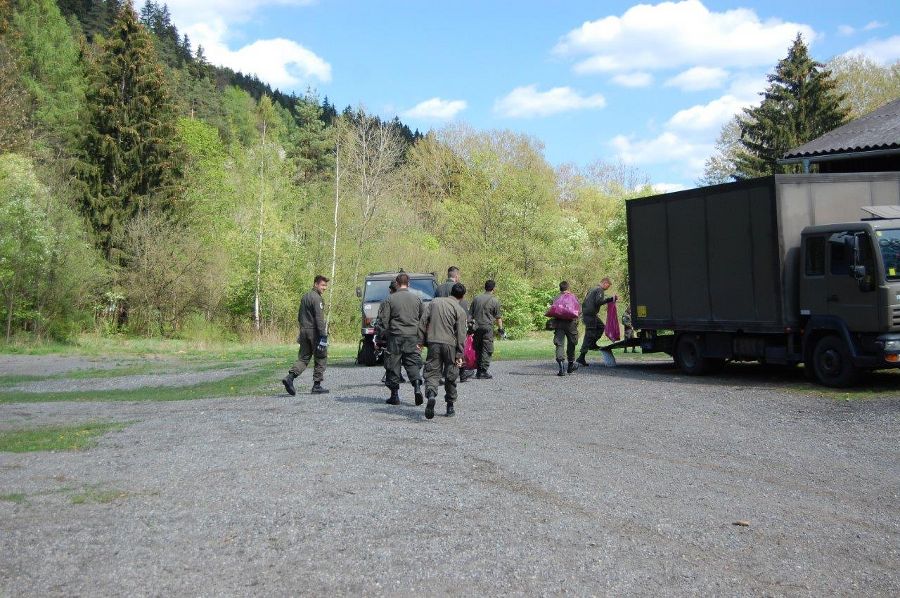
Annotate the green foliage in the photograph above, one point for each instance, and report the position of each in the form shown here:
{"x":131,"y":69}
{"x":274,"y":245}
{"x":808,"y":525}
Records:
{"x":801,"y":103}
{"x":865,"y":84}
{"x":48,"y":270}
{"x":129,"y":159}
{"x":51,"y":72}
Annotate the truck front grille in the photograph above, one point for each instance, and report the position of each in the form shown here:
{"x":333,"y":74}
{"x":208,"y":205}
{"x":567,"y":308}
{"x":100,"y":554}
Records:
{"x":895,"y":321}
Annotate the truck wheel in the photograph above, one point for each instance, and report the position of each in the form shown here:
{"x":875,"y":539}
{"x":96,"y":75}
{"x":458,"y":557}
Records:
{"x":689,"y":356}
{"x":367,"y":355}
{"x":832,"y":364}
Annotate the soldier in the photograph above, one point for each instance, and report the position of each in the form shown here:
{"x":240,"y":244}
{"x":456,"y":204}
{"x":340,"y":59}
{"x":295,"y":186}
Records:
{"x":628,"y":328}
{"x":313,"y":338}
{"x":485,"y":311}
{"x":445,"y":287}
{"x":565,"y":333}
{"x":593,"y":326}
{"x":402,"y":312}
{"x":443,"y":329}
{"x":381,"y":333}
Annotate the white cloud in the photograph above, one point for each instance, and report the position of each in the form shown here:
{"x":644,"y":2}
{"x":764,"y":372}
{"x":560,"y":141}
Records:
{"x":666,"y":148}
{"x":872,"y":25}
{"x":668,"y":187}
{"x":846,"y":30}
{"x":884,"y":51}
{"x":698,"y":78}
{"x":676,"y":34}
{"x":191,"y":12}
{"x":527,"y":102}
{"x":436,"y":109}
{"x":279,"y":62}
{"x":708,"y":117}
{"x":637,"y":79}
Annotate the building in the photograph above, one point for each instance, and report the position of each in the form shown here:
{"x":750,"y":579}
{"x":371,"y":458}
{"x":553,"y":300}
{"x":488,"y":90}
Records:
{"x":868,"y":144}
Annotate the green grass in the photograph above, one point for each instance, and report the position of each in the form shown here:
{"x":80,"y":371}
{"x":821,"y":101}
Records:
{"x":54,"y":438}
{"x":251,"y":382}
{"x":16,"y":497}
{"x":97,"y":495}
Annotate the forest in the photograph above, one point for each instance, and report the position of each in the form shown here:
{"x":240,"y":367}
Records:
{"x":144,"y":191}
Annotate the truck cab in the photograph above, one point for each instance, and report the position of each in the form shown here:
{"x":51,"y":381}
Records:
{"x":850,"y":298}
{"x":371,"y":294}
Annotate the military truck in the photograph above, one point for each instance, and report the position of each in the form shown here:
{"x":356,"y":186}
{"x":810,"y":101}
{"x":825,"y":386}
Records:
{"x":374,"y":291}
{"x":786,"y":269}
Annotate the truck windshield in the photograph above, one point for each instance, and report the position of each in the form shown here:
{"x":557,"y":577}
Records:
{"x":377,"y":290}
{"x":889,"y":243}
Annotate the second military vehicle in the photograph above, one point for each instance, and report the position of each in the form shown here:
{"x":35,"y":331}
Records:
{"x":786,"y":269}
{"x":374,"y":291}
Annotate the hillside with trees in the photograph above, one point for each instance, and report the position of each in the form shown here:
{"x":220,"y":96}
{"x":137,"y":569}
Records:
{"x":145,"y":191}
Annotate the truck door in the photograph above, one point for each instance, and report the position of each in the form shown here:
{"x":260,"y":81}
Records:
{"x":851,"y":295}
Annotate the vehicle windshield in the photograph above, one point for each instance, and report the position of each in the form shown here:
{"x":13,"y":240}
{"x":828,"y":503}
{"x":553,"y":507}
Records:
{"x":889,"y":243}
{"x":377,"y":290}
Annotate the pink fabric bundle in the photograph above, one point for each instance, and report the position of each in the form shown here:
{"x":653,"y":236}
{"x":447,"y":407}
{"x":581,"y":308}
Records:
{"x":470,"y":358}
{"x":613,"y":332}
{"x":565,"y":307}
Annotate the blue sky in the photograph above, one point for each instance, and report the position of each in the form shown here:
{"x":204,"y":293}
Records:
{"x":646,"y":84}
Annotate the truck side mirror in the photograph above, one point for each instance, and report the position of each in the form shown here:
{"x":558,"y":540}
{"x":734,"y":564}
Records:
{"x":358,"y":293}
{"x":858,"y":272}
{"x":851,"y":242}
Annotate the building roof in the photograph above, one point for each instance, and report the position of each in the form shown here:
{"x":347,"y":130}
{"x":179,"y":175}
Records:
{"x":876,"y":131}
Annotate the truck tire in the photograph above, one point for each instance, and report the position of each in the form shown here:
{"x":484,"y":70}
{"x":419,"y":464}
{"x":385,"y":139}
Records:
{"x":689,"y":356}
{"x":832,"y":364}
{"x":366,"y":355}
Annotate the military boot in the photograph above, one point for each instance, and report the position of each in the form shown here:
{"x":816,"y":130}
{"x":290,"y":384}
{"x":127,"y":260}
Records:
{"x":394,"y":398}
{"x":288,"y":382}
{"x":464,"y":375}
{"x":429,"y":407}
{"x":483,"y":375}
{"x":572,"y":367}
{"x":562,"y":368}
{"x":450,"y":410}
{"x":417,"y":390}
{"x":581,"y":360}
{"x":318,"y":389}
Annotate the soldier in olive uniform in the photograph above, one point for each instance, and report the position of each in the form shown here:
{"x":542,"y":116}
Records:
{"x":443,"y":329}
{"x":565,"y":334}
{"x":445,"y":287}
{"x":381,"y":333}
{"x":593,"y":326}
{"x":485,"y":311}
{"x":313,"y":338}
{"x":402,"y":312}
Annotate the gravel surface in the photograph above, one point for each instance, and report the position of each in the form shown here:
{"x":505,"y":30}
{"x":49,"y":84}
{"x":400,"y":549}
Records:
{"x":49,"y":365}
{"x":610,"y":482}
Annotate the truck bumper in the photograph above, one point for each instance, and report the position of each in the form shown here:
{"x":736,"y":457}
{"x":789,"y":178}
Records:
{"x":887,"y":355}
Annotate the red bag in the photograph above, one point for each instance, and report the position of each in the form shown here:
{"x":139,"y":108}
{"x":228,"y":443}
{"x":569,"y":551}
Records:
{"x":470,"y":358}
{"x":565,"y":307}
{"x":612,"y":322}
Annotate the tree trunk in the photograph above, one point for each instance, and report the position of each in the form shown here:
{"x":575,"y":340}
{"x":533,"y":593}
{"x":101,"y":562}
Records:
{"x":259,"y":241}
{"x":9,"y":308}
{"x":337,"y":201}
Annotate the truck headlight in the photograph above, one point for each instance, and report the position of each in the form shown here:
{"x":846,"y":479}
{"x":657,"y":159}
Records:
{"x":892,"y":345}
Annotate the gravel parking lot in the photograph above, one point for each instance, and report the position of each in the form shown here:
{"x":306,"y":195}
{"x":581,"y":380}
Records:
{"x":611,"y":482}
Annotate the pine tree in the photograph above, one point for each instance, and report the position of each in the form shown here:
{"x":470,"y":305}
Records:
{"x":129,"y":159}
{"x":800,"y":104}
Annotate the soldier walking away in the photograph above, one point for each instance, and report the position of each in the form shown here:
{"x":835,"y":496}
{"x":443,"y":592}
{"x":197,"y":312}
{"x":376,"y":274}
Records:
{"x":565,"y":334}
{"x":381,"y":333}
{"x":485,"y":311}
{"x":402,"y":312}
{"x":443,"y":330}
{"x":593,"y":325}
{"x":313,"y":338}
{"x":628,"y":328}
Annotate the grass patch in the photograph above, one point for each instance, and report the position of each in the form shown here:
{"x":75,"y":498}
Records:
{"x":55,"y":438}
{"x":16,"y":497}
{"x":252,"y":382}
{"x":98,"y":495}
